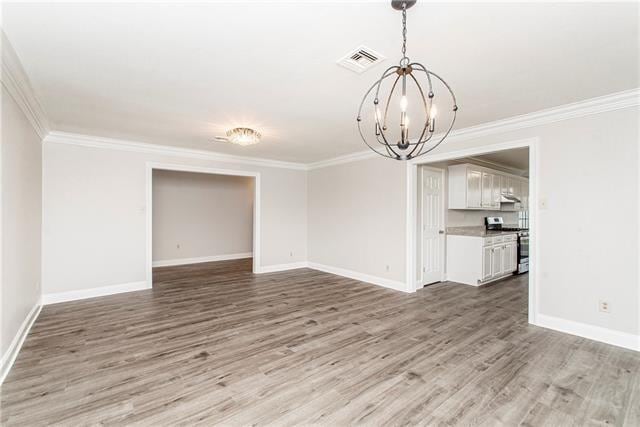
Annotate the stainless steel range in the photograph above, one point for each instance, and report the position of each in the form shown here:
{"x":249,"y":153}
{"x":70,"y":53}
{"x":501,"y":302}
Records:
{"x":495,"y":223}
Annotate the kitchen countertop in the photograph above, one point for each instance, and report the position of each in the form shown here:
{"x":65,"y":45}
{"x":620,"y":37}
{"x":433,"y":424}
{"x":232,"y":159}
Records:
{"x":476,"y":231}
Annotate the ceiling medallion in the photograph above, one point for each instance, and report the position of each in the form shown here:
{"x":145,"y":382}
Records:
{"x":403,"y":82}
{"x":241,"y":136}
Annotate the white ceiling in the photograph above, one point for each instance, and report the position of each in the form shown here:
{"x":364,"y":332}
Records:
{"x":514,"y":161}
{"x":178,"y":74}
{"x":517,"y":159}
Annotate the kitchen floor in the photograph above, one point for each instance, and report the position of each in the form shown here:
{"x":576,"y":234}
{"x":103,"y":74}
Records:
{"x":214,"y":343}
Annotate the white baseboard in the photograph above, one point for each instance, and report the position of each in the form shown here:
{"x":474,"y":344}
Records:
{"x":16,"y":344}
{"x":596,"y":333}
{"x":93,"y":292}
{"x":380,"y":281}
{"x":281,"y":267}
{"x":184,"y":261}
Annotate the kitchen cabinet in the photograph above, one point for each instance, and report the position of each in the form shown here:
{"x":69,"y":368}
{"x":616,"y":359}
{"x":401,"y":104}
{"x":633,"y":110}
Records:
{"x":477,"y":187}
{"x":474,"y":189}
{"x":518,"y":187}
{"x":509,"y":257}
{"x":487,"y":190}
{"x":524,"y":188}
{"x":496,"y":192}
{"x":490,"y":191}
{"x":496,"y":261}
{"x":487,"y":260}
{"x":512,"y":185}
{"x":504,"y":184}
{"x":475,"y":260}
{"x":504,"y":253}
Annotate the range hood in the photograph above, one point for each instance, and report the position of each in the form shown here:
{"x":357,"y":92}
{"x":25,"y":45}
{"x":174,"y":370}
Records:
{"x":507,"y":198}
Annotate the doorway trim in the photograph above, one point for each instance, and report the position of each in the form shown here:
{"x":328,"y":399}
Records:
{"x":411,"y":222}
{"x":257,"y":220}
{"x":444,"y":224}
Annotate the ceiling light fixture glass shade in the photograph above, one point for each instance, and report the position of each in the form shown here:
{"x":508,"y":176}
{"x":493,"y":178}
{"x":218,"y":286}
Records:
{"x":243,"y":136}
{"x":399,"y":94}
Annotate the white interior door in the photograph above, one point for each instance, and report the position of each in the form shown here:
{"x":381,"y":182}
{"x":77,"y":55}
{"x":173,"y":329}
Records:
{"x":432,"y":226}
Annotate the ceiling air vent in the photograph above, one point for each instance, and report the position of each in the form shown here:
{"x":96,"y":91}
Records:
{"x":361,"y":59}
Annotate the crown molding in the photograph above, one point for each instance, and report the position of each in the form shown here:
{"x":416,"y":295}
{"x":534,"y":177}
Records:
{"x":347,"y":158}
{"x":141,"y":147}
{"x":601,"y":104}
{"x":15,"y":80}
{"x":495,"y":165}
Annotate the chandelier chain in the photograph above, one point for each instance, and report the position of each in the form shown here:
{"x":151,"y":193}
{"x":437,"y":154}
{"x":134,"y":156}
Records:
{"x":404,"y":30}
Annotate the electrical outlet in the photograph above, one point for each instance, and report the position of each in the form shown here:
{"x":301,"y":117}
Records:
{"x":290,"y":254}
{"x":387,"y":268}
{"x":604,"y":306}
{"x":178,"y":246}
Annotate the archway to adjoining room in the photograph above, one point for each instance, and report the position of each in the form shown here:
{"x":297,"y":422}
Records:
{"x":199,"y":216}
{"x":457,"y":200}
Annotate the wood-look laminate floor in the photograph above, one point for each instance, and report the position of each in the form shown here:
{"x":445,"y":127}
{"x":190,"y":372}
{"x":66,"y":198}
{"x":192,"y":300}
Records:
{"x":214,"y":344}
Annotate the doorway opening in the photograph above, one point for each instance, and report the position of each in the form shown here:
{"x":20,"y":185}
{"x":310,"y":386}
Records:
{"x":472,"y":218}
{"x":200,"y":215}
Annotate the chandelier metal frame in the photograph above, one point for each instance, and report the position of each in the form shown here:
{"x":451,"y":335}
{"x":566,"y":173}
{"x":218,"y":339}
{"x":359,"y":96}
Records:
{"x":404,"y":148}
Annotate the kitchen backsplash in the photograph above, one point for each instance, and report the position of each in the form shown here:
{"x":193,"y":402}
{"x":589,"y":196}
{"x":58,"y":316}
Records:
{"x":463,"y":218}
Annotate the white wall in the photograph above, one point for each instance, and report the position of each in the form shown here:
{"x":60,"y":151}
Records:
{"x":94,"y":214}
{"x":199,"y":215}
{"x":21,"y":219}
{"x":588,"y":166}
{"x":465,"y":218}
{"x":357,"y":217}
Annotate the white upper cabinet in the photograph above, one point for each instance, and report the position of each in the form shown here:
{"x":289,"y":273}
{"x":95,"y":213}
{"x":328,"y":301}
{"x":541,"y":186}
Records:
{"x":473,"y":189}
{"x":517,"y":188}
{"x":487,"y":190}
{"x":524,"y":188}
{"x":497,"y":179}
{"x":477,"y":187}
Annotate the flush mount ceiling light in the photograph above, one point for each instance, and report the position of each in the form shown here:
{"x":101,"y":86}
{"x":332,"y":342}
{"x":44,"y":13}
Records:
{"x":404,"y":91}
{"x":241,"y":136}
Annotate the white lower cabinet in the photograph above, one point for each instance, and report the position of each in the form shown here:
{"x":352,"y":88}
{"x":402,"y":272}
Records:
{"x":487,"y":258}
{"x":496,"y":261}
{"x":474,"y":260}
{"x":509,"y":257}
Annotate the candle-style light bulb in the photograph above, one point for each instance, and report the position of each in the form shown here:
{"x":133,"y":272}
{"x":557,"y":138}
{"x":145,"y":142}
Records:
{"x":406,"y":129}
{"x":432,"y":118}
{"x":378,"y":121}
{"x":403,"y":103}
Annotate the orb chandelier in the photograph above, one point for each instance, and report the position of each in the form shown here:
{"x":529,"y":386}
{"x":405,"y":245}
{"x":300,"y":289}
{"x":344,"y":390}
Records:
{"x":389,"y":130}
